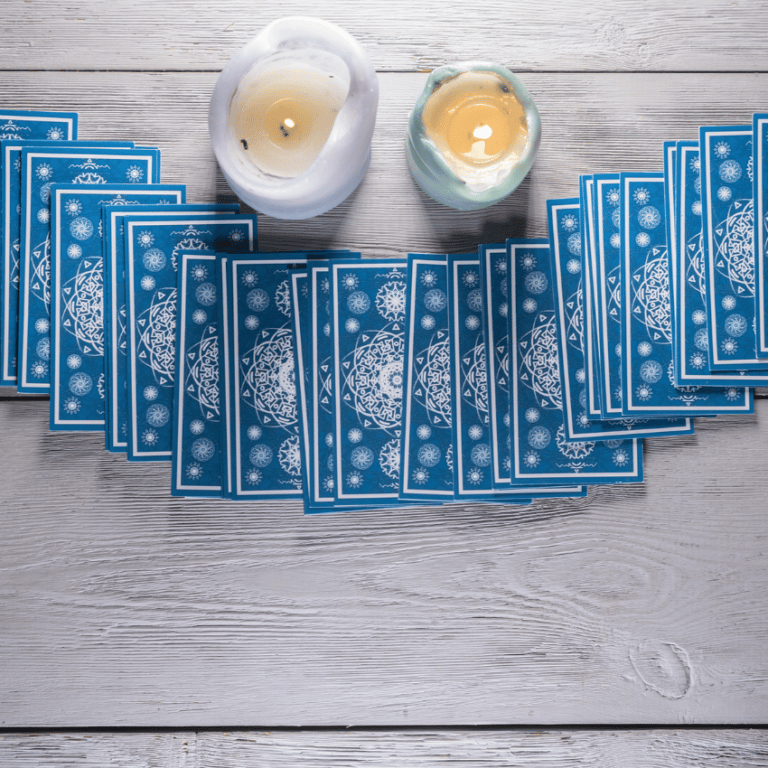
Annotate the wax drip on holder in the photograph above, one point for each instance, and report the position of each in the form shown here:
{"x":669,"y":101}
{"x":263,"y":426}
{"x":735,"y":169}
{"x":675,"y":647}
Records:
{"x":292,"y":116}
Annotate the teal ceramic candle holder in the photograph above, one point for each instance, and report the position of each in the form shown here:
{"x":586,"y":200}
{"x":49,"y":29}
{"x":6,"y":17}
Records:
{"x":476,"y":179}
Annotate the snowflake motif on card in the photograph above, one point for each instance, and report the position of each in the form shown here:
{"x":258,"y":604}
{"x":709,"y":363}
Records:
{"x":202,"y":378}
{"x":621,"y":457}
{"x":350,"y":281}
{"x":724,"y":194}
{"x":695,"y":164}
{"x":260,"y":455}
{"x":650,"y":296}
{"x":539,"y":437}
{"x":475,"y":432}
{"x":361,"y":457}
{"x":352,"y":325}
{"x":648,"y":217}
{"x":389,"y":459}
{"x":390,"y":301}
{"x":528,"y":261}
{"x":55,"y":134}
{"x":151,"y":393}
{"x":734,"y":255}
{"x":613,"y":196}
{"x":644,"y":348}
{"x":641,"y":196}
{"x":539,"y":368}
{"x":643,"y":239}
{"x":435,"y":300}
{"x":536,"y":283}
{"x":729,"y":346}
{"x":501,"y":266}
{"x":429,"y":455}
{"x":697,"y":360}
{"x":44,"y":172}
{"x":694,"y":264}
{"x":428,"y":278}
{"x":80,"y":383}
{"x":696,"y":207}
{"x":358,"y":302}
{"x":574,"y":244}
{"x":203,"y":449}
{"x":74,"y":362}
{"x":475,"y":389}
{"x":728,"y":303}
{"x":154,"y":260}
{"x":43,"y":349}
{"x":698,"y":317}
{"x":81,"y":228}
{"x":424,"y":432}
{"x":729,"y":171}
{"x":254,"y":432}
{"x":268,"y":378}
{"x":257,"y":300}
{"x":39,"y":369}
{"x":43,"y":215}
{"x":289,"y":456}
{"x":73,"y":206}
{"x":480,"y":455}
{"x":432,"y":377}
{"x":531,"y":459}
{"x":200,"y":316}
{"x":145,"y":239}
{"x":736,"y":325}
{"x":156,"y":327}
{"x":530,"y":305}
{"x":150,"y":437}
{"x":148,"y":283}
{"x":701,"y":339}
{"x":158,"y":415}
{"x":134,"y":174}
{"x":373,"y":379}
{"x":574,"y":318}
{"x":722,"y":149}
{"x":472,"y":322}
{"x":573,"y":266}
{"x":194,"y":471}
{"x":470,"y":278}
{"x":198,"y":273}
{"x":83,"y":307}
{"x":651,"y":371}
{"x":252,"y":476}
{"x":355,"y":435}
{"x":355,"y":480}
{"x":644,"y":392}
{"x":197,"y":427}
{"x":236,"y":236}
{"x":71,"y":406}
{"x":205,"y":294}
{"x":573,"y":451}
{"x":283,"y":298}
{"x":249,"y":278}
{"x":732,"y":394}
{"x":475,"y":300}
{"x":616,"y":217}
{"x":420,"y":476}
{"x":569,"y":222}
{"x":475,"y":476}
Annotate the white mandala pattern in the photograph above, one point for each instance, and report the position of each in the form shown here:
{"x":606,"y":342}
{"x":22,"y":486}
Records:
{"x":573,"y":451}
{"x":694,"y":266}
{"x":283,"y":298}
{"x":390,"y":301}
{"x":734,"y":255}
{"x":435,"y":300}
{"x":539,"y":368}
{"x":202,"y":380}
{"x":203,"y":449}
{"x":475,"y":389}
{"x":389,"y":459}
{"x":373,"y":379}
{"x":429,"y":455}
{"x":574,"y":316}
{"x":650,"y":296}
{"x":157,"y":336}
{"x":268,"y":377}
{"x":432,"y":376}
{"x":40,"y":263}
{"x":289,"y":456}
{"x":83,"y":310}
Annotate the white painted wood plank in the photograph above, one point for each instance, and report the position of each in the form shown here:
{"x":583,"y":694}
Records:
{"x":122,"y":606}
{"x":699,"y":35}
{"x":422,"y":749}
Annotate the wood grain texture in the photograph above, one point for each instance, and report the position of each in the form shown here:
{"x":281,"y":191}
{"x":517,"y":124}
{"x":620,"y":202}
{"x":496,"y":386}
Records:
{"x":421,"y":749}
{"x":688,"y":35}
{"x":122,"y":606}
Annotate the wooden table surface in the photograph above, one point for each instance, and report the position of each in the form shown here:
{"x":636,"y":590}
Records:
{"x":640,"y":605}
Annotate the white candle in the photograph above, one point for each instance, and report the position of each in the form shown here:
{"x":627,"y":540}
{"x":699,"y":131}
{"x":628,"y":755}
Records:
{"x":291,"y":118}
{"x":282,"y":116}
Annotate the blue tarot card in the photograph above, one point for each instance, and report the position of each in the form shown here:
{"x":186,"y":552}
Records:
{"x":40,"y":168}
{"x":647,"y":365}
{"x":728,"y":244}
{"x":264,"y":426}
{"x":426,"y":470}
{"x":592,"y":365}
{"x":196,"y":399}
{"x":152,"y":248}
{"x":226,"y":432}
{"x":540,"y":452}
{"x":472,"y":445}
{"x":318,"y":356}
{"x":18,"y":127}
{"x":368,"y":300}
{"x":671,"y":226}
{"x":300,"y":331}
{"x":115,"y":311}
{"x":494,"y":287}
{"x":10,"y":194}
{"x":760,"y":194}
{"x":77,"y":339}
{"x":572,"y":309}
{"x":691,"y":336}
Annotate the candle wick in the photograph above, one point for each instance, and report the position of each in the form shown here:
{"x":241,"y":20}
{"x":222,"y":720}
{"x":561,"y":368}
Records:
{"x":244,"y":143}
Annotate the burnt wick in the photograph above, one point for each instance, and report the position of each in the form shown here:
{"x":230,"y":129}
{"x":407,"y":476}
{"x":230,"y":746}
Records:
{"x":244,"y":143}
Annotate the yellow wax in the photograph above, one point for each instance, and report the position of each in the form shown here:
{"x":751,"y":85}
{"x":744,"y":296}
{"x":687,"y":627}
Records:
{"x":478,"y":125}
{"x":283,"y":116}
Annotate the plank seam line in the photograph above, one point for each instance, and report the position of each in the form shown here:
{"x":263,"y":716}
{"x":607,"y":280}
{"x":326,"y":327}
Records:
{"x":422,"y":71}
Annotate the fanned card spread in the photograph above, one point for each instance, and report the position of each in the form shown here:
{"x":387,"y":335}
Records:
{"x":526,"y":369}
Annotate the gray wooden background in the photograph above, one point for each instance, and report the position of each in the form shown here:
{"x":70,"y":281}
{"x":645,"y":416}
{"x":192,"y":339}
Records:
{"x":643,"y":605}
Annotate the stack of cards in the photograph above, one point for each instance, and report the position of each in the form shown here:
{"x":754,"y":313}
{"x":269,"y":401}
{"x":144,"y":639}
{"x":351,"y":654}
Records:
{"x":529,"y":369}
